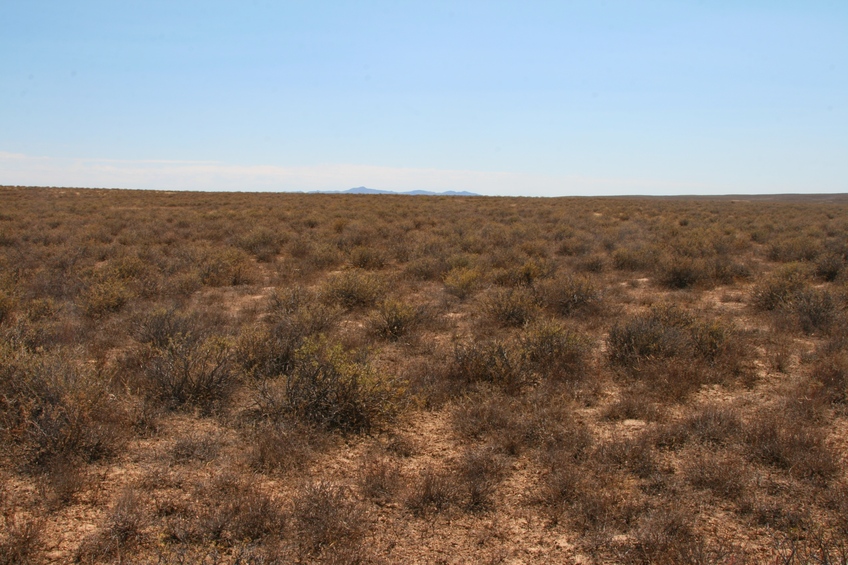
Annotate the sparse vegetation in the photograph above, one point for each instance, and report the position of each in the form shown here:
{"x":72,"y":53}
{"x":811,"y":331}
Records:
{"x":278,"y":378}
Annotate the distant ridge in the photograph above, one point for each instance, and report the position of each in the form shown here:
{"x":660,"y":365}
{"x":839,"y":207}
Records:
{"x":365,"y":190}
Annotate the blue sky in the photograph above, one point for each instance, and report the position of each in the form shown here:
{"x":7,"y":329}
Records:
{"x":519,"y":98}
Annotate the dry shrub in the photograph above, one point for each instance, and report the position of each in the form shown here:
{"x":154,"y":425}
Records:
{"x":665,"y":536}
{"x":105,"y":295}
{"x":775,"y":440}
{"x":480,"y":471}
{"x":426,"y":268}
{"x":379,"y":478}
{"x":587,"y":496}
{"x":830,"y":266}
{"x":223,"y":266}
{"x":674,"y":353}
{"x":326,"y":519}
{"x":571,"y":296}
{"x":462,"y":281}
{"x":330,"y":388}
{"x":633,"y":405}
{"x":199,"y":448}
{"x":7,"y":306}
{"x":367,"y":258}
{"x":353,"y":288}
{"x":120,"y":533}
{"x":394,"y":319}
{"x":282,"y":446}
{"x":661,"y":333}
{"x":510,"y":307}
{"x":723,"y":473}
{"x":293,"y":316}
{"x":21,"y":538}
{"x":62,"y":479}
{"x":831,"y":372}
{"x":779,"y":288}
{"x":815,"y":309}
{"x":636,"y":258}
{"x":433,"y":492}
{"x":262,"y":243}
{"x":54,"y":410}
{"x":634,"y":454}
{"x":524,"y":275}
{"x":492,"y":362}
{"x":796,"y":248}
{"x":555,"y":352}
{"x":679,"y":272}
{"x":713,"y":424}
{"x":189,"y":372}
{"x":224,"y":510}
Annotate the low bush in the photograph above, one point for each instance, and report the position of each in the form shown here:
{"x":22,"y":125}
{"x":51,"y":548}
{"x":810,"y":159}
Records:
{"x":395,"y":319}
{"x":120,"y":533}
{"x":367,"y":258}
{"x":189,"y":372}
{"x":723,"y":473}
{"x":816,"y":310}
{"x":53,"y":410}
{"x":353,"y":288}
{"x":480,"y":471}
{"x":553,"y":351}
{"x":492,"y":362}
{"x":379,"y":478}
{"x":462,"y":281}
{"x":262,"y":243}
{"x":510,"y":307}
{"x":330,"y":388}
{"x":281,"y":446}
{"x":432,"y":492}
{"x":779,"y":288}
{"x":293,"y":316}
{"x":661,"y":333}
{"x":680,"y":272}
{"x":831,"y":372}
{"x":773,"y":439}
{"x":571,"y":296}
{"x":226,"y":511}
{"x":21,"y":538}
{"x":326,"y":519}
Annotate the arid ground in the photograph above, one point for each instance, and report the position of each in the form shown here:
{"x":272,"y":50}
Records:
{"x":291,"y":378}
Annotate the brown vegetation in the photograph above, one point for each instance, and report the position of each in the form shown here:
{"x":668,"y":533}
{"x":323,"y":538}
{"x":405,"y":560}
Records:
{"x":283,"y":378}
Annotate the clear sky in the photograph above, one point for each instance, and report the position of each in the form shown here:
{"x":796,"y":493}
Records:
{"x":519,"y":98}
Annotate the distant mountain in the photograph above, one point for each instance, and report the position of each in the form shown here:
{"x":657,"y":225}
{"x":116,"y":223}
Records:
{"x":365,"y":190}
